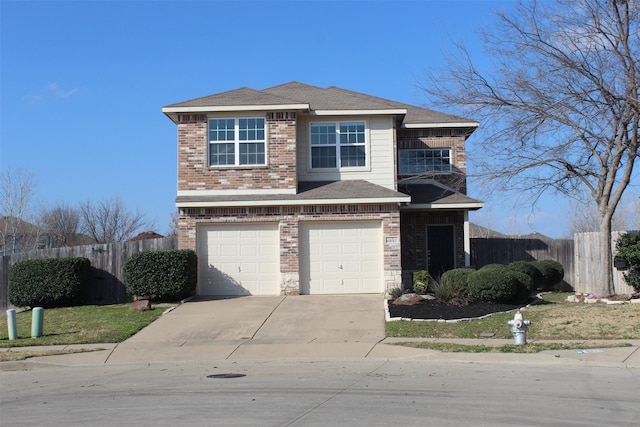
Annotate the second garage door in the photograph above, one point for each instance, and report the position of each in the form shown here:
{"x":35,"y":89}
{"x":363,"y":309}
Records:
{"x":238,"y":259}
{"x":341,"y":257}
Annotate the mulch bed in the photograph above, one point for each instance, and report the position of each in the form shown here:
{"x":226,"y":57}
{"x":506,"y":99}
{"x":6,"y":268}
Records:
{"x":432,"y":309}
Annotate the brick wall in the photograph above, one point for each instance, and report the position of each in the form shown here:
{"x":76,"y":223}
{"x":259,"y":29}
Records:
{"x":194,"y":172}
{"x":454,"y":139}
{"x":289,"y":218}
{"x":414,"y":237}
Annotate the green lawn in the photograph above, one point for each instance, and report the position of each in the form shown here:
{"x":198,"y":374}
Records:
{"x":80,"y":325}
{"x":554,"y":319}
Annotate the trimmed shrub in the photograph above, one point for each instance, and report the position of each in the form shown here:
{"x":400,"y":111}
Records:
{"x":552,"y":272}
{"x":162,"y":275}
{"x":50,"y":282}
{"x":628,"y":247}
{"x":497,"y":285}
{"x":421,"y":281}
{"x":524,"y":291}
{"x":537,"y":280}
{"x":457,"y":276}
{"x":489,"y":266}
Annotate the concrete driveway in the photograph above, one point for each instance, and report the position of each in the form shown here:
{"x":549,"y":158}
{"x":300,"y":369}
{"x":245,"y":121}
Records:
{"x":261,"y":327}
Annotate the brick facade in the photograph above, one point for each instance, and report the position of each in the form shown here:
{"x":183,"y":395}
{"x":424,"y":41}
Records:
{"x":414,"y":238}
{"x":289,"y":218}
{"x":194,"y":172}
{"x":404,"y":234}
{"x":454,"y":139}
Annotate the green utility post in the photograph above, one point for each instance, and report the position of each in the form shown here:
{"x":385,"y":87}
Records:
{"x":11,"y":324}
{"x":37,"y":319}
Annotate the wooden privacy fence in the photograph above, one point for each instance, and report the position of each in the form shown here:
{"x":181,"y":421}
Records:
{"x":493,"y":250}
{"x":588,"y":267}
{"x":107,"y":266}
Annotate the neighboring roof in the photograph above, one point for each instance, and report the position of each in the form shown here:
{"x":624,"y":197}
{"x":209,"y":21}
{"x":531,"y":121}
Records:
{"x":309,"y":192}
{"x":476,"y":230}
{"x":432,"y":196}
{"x":316,"y":100}
{"x":146,"y":235}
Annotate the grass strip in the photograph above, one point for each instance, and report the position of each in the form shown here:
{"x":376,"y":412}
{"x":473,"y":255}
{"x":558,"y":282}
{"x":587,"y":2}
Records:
{"x":507,"y":348}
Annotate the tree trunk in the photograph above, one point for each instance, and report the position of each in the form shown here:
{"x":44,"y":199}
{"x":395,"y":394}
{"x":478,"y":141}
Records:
{"x":605,"y":281}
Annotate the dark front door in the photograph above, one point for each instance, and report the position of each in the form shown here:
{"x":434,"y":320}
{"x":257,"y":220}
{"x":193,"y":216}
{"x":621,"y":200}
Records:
{"x":440,"y":249}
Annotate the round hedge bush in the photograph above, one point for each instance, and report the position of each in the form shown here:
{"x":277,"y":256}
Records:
{"x":501,"y":285}
{"x":162,"y":275}
{"x":552,"y":272}
{"x":537,"y":280}
{"x":49,"y":282}
{"x":457,"y":276}
{"x":489,"y":266}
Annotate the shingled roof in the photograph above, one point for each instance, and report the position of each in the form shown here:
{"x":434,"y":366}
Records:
{"x":433,"y":195}
{"x":300,"y":96}
{"x":309,"y":192}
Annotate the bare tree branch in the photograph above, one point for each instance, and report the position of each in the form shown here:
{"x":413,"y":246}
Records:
{"x":110,"y":221}
{"x":17,"y":192}
{"x":560,"y":107}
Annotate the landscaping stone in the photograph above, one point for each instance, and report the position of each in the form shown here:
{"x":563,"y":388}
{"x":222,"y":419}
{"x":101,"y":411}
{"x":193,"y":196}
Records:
{"x":140,"y":305}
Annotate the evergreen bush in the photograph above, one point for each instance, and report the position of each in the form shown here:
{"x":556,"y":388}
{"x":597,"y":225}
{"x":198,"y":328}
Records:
{"x":501,"y":285}
{"x":628,"y":247}
{"x":457,"y":276}
{"x":489,"y":266}
{"x":49,"y":282}
{"x":162,"y":275}
{"x":537,"y":280}
{"x":552,"y":272}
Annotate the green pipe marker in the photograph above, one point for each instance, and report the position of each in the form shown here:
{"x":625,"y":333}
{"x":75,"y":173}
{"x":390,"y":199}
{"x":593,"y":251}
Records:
{"x":37,"y":319}
{"x":11,"y":324}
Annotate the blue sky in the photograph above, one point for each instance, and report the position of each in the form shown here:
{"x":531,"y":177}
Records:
{"x":83,"y":82}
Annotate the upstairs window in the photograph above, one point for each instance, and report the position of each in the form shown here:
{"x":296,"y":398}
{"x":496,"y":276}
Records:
{"x":417,"y":162}
{"x":236,"y":142}
{"x":338,"y":145}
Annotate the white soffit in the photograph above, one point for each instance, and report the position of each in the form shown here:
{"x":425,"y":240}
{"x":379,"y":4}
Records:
{"x":205,"y":109}
{"x":357,"y":112}
{"x":291,"y":202}
{"x":440,"y":125}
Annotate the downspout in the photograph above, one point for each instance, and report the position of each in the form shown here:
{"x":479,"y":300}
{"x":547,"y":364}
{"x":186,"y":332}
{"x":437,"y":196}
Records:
{"x":467,"y":240}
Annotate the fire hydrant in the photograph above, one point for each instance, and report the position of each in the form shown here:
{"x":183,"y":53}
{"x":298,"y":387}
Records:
{"x":519,"y":326}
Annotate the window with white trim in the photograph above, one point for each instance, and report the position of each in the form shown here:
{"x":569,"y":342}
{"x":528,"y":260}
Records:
{"x":417,"y":162}
{"x":237,"y":142}
{"x":338,"y":145}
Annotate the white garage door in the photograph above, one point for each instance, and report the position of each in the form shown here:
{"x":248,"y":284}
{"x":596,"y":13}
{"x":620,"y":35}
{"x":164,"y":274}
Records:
{"x":238,"y":259}
{"x":341,"y":257}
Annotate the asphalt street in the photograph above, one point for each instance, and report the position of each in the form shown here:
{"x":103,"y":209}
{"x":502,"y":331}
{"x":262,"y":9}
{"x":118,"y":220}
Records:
{"x":396,"y":392}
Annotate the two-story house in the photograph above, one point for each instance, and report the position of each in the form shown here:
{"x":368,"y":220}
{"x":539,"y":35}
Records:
{"x":301,"y":189}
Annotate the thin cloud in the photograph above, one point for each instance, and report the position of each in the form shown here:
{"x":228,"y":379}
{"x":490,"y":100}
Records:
{"x":60,"y":92}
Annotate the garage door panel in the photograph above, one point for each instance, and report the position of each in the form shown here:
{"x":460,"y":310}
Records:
{"x":239,"y":259}
{"x":341,"y":257}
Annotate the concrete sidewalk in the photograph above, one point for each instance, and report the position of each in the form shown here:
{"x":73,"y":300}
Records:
{"x":297,"y":327}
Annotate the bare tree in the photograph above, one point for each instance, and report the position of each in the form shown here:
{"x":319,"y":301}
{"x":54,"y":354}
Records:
{"x":584,"y":218}
{"x":61,"y":224}
{"x":17,"y":192}
{"x":110,"y":221}
{"x":174,"y":226}
{"x":560,"y":107}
